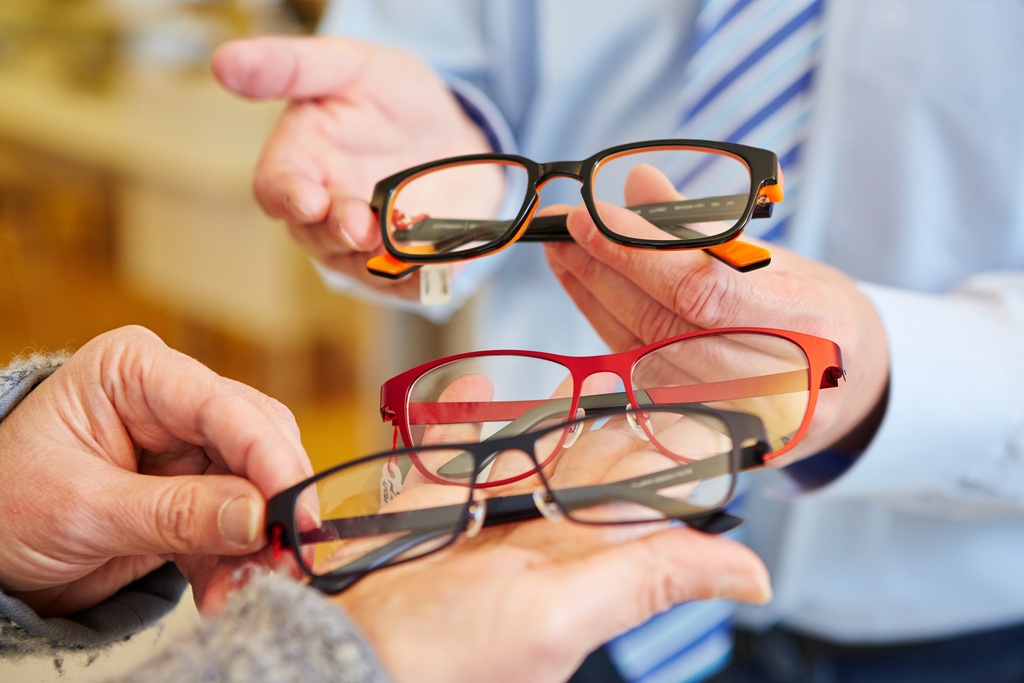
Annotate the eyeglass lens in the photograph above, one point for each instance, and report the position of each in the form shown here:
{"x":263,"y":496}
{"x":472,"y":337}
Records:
{"x":643,"y":466}
{"x":711,"y":194}
{"x":426,"y":217}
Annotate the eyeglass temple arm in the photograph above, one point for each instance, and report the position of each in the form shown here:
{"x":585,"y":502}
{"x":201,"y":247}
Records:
{"x":426,"y":524}
{"x":422,"y":526}
{"x":531,"y":412}
{"x":462,"y":465}
{"x":737,"y":254}
{"x":374,"y":559}
{"x":641,"y":489}
{"x":665,"y":215}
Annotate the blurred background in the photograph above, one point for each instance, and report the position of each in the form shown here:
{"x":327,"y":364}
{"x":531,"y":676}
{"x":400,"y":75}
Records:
{"x":125,"y":199}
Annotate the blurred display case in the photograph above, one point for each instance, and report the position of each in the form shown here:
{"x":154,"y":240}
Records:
{"x":108,"y":113}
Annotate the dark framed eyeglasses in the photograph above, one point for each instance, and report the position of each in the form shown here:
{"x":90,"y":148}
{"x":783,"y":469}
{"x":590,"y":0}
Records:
{"x":775,"y":375}
{"x":720,"y":187}
{"x":626,"y":466}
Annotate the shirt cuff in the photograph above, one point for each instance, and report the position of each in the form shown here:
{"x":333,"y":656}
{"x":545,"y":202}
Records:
{"x":953,"y":403}
{"x":483,"y":112}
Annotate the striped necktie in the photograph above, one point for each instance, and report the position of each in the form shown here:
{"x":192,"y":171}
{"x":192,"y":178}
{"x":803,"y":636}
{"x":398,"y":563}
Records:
{"x":749,"y":80}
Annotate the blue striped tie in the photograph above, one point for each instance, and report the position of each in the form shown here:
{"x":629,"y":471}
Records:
{"x":748,"y":80}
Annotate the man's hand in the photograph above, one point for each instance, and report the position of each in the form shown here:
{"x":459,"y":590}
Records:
{"x":357,"y":113}
{"x":637,"y":296}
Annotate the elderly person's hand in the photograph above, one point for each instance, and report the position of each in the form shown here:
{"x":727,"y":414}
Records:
{"x":528,"y":602}
{"x":101,"y":472}
{"x":637,"y":296}
{"x":356,"y":113}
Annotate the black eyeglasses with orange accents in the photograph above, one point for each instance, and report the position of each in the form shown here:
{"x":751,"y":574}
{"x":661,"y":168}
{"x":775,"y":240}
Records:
{"x":660,"y":194}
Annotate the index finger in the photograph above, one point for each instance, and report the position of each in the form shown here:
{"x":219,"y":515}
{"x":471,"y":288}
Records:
{"x":289,"y":67}
{"x":160,"y":392}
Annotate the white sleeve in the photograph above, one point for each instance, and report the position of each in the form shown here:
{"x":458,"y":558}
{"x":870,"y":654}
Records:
{"x":952,"y":440}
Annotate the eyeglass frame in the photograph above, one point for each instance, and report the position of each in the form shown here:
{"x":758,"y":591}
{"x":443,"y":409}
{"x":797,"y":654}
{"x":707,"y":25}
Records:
{"x":824,"y":367}
{"x":750,"y":450}
{"x":766,"y":188}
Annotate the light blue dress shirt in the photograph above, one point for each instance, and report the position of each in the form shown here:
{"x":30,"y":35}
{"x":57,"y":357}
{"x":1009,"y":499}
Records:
{"x":914,"y":185}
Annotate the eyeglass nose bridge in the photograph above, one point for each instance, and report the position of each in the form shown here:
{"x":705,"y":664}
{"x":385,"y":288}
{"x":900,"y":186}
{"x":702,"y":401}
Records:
{"x":559,"y":169}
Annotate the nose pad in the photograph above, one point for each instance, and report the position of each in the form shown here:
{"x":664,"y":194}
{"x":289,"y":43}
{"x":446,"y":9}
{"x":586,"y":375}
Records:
{"x":574,"y":430}
{"x":640,"y":431}
{"x":548,"y":507}
{"x":477,"y":513}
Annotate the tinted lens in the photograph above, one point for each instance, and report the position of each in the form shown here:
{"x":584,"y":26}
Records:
{"x":376,"y":513}
{"x":712,"y":192}
{"x":761,"y":374}
{"x":453,"y":208}
{"x":482,"y":397}
{"x":646,"y":465}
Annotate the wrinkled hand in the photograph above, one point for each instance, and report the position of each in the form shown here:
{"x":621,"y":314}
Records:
{"x":357,"y":113}
{"x":526,"y":602}
{"x":636,"y":296}
{"x":101,"y":465}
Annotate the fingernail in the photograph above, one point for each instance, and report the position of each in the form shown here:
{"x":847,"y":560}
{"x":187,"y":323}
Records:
{"x":757,"y":591}
{"x":239,"y":521}
{"x":766,"y":593}
{"x":296,"y":210}
{"x":341,"y":217}
{"x":347,"y":240}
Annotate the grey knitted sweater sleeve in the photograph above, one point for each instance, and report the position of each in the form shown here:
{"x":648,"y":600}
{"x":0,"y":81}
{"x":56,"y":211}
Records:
{"x":22,"y":376}
{"x":272,"y":630}
{"x":130,"y":610}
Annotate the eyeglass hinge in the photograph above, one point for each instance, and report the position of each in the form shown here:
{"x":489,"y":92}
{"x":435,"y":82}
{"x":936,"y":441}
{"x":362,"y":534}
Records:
{"x":832,"y":376}
{"x":275,"y":540}
{"x":387,"y":414}
{"x":762,"y":207}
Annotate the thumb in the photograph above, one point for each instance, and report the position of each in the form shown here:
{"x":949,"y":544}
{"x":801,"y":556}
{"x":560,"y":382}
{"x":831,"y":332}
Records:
{"x":293,"y":68}
{"x":187,"y":514}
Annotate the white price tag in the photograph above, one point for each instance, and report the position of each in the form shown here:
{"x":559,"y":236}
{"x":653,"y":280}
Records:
{"x":435,"y":281}
{"x":390,"y":482}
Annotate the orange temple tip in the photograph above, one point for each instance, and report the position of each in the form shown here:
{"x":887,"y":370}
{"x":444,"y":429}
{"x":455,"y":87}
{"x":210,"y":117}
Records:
{"x":388,"y":266}
{"x":742,"y":256}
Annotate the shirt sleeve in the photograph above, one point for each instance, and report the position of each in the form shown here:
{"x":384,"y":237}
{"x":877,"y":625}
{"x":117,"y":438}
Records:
{"x":952,"y":439}
{"x":272,"y":630}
